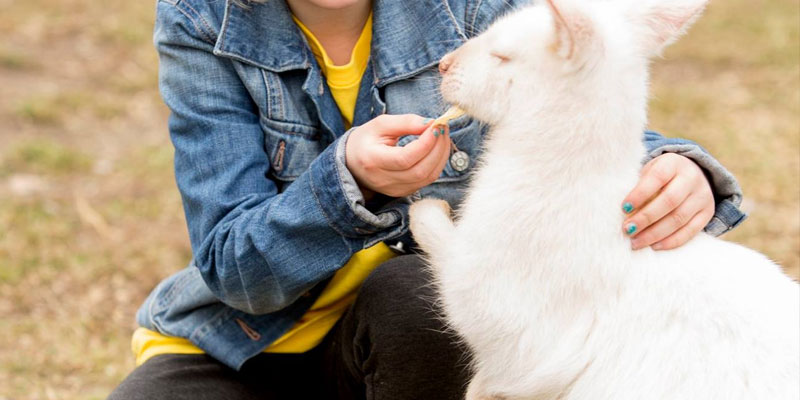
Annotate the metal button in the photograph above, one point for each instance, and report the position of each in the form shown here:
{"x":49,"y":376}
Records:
{"x":459,"y":161}
{"x":398,"y":248}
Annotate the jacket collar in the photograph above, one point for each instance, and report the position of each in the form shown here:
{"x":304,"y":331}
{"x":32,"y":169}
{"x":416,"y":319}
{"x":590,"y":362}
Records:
{"x":407,"y":36}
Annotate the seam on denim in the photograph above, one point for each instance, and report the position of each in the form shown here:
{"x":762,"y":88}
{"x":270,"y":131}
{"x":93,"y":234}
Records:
{"x":319,"y":204}
{"x":244,"y":291}
{"x":162,"y":303}
{"x":453,"y":18}
{"x":339,"y":179}
{"x":411,"y":73}
{"x":339,"y":175}
{"x":393,"y":233}
{"x":249,"y":61}
{"x":336,"y":229}
{"x":266,"y":261}
{"x":173,"y":2}
{"x":151,"y":318}
{"x":718,"y":227}
{"x":221,"y":41}
{"x":273,"y":91}
{"x":269,"y":92}
{"x":179,"y":283}
{"x":471,"y":28}
{"x":202,"y":33}
{"x":196,"y":335}
{"x":292,"y":128}
{"x":210,"y":32}
{"x":223,"y":30}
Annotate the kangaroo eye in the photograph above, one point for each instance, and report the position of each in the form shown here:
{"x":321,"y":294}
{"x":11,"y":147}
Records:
{"x":503,"y":58}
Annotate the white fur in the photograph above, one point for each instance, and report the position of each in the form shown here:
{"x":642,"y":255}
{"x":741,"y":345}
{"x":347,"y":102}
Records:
{"x":537,"y":276}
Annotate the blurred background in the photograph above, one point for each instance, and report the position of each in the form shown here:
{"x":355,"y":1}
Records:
{"x":90,"y":219}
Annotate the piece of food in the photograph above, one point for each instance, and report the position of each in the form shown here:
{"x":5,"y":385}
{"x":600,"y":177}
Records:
{"x":451,"y":113}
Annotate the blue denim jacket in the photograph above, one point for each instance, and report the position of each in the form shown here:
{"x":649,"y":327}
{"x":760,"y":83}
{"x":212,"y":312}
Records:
{"x":259,"y":144}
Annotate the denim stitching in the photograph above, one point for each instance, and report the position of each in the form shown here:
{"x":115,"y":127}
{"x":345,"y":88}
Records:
{"x":203,"y":34}
{"x":269,"y":93}
{"x":198,"y":333}
{"x":453,"y":19}
{"x":224,"y":27}
{"x":472,"y":28}
{"x":202,"y":20}
{"x":319,"y":203}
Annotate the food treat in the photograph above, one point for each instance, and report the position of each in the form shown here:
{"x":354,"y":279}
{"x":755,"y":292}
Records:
{"x":451,"y":113}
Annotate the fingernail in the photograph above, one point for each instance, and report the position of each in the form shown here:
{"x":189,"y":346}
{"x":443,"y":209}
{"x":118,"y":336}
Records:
{"x":426,"y":121}
{"x":435,"y":132}
{"x":627,"y":207}
{"x":630,"y":229}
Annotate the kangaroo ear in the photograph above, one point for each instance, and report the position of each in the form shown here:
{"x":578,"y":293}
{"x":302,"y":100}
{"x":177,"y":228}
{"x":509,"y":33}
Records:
{"x":574,"y":31}
{"x":661,"y":22}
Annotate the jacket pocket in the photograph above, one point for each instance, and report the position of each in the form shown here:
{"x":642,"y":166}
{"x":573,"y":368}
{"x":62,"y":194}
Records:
{"x":291,"y":148}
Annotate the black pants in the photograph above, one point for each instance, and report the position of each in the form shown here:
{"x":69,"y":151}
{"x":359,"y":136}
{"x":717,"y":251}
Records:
{"x":390,"y":344}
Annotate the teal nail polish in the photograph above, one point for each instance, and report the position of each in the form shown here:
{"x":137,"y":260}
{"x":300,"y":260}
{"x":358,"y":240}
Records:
{"x":435,"y":132}
{"x":627,"y":207}
{"x":630,"y":229}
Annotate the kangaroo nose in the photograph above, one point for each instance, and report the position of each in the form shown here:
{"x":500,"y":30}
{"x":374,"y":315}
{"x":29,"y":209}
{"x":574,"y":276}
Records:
{"x":445,"y":63}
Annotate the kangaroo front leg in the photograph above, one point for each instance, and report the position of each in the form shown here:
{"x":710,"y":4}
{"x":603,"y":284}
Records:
{"x":430,"y":224}
{"x":478,"y":390}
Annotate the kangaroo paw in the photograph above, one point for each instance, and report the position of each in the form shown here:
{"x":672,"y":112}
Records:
{"x":430,"y":223}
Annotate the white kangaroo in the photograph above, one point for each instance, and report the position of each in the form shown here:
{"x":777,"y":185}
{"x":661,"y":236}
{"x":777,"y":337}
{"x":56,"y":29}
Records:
{"x":536,"y":275}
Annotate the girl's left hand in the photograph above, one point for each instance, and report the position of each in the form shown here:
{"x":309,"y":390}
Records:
{"x":670,"y":204}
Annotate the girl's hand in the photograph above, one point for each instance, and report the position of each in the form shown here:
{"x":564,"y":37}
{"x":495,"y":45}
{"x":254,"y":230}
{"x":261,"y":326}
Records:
{"x":380,"y":166}
{"x":671,"y":203}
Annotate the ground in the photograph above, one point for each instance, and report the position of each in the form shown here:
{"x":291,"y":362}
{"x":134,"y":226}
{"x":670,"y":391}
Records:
{"x":92,"y":220}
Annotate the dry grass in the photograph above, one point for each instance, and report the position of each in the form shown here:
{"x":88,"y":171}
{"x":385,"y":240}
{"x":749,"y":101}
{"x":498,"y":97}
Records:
{"x":92,"y":221}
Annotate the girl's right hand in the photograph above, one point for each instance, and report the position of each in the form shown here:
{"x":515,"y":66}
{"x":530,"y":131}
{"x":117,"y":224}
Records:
{"x":380,"y":166}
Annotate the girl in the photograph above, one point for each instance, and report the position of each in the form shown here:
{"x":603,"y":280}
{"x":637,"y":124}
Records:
{"x":301,"y":132}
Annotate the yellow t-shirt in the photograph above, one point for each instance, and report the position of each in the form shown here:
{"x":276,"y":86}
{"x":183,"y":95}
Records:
{"x":344,"y":82}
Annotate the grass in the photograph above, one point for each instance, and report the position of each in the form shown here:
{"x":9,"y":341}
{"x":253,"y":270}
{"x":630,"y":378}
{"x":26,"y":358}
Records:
{"x":92,"y":220}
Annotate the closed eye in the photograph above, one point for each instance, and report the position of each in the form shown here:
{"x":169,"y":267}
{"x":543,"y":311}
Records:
{"x":503,"y":58}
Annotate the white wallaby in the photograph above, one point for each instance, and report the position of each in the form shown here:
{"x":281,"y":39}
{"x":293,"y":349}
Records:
{"x":537,"y":276}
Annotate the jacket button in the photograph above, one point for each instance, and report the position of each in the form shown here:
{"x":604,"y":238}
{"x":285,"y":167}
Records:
{"x":459,"y":161}
{"x":398,"y":248}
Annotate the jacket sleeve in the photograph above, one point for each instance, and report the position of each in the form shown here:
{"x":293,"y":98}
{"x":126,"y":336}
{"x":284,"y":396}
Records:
{"x":727,"y":193}
{"x":257,"y":249}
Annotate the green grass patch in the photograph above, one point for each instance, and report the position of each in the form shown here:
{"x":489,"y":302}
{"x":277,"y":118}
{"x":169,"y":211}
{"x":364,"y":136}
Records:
{"x":14,"y":60}
{"x":43,"y":157}
{"x":53,"y":109}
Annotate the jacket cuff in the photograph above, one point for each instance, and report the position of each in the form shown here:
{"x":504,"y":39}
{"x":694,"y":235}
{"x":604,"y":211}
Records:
{"x":727,"y":192}
{"x":343,"y":204}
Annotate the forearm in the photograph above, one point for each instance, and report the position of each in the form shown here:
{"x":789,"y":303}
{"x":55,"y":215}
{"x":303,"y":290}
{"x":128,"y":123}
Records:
{"x":268,"y":249}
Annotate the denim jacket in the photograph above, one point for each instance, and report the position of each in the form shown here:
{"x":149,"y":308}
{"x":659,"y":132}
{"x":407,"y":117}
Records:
{"x":272,"y":210}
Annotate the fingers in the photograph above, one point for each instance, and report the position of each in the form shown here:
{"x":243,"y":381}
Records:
{"x":675,"y":211}
{"x":688,"y":231}
{"x":379,"y":165}
{"x":400,"y":125}
{"x":395,"y":158}
{"x":670,"y":198}
{"x":425,"y":171}
{"x":689,"y":218}
{"x":430,"y":167}
{"x":655,"y":175}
